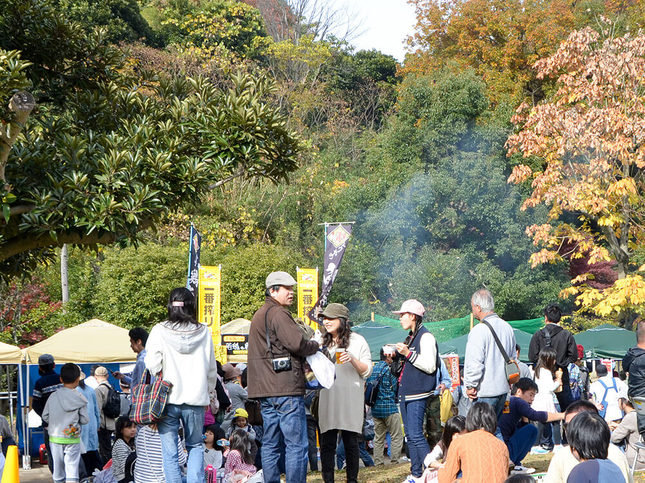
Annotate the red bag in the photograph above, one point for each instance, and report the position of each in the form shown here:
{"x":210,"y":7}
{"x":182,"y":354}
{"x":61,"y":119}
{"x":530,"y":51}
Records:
{"x":149,"y":400}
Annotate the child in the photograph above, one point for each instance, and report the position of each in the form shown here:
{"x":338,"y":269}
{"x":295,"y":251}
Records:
{"x":125,"y":431}
{"x":241,"y":421}
{"x":65,"y":412}
{"x":454,"y":425}
{"x":239,"y":460}
{"x":547,"y":382}
{"x":513,"y":423}
{"x":213,"y":448}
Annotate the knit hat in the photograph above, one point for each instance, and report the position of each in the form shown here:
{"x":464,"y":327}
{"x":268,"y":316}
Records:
{"x":581,"y":351}
{"x":240,"y":413}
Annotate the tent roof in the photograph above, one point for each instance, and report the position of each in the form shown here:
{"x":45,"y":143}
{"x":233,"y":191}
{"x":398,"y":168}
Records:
{"x":236,"y":326}
{"x":91,"y":341}
{"x":458,"y":345}
{"x":10,"y":354}
{"x":606,"y":341}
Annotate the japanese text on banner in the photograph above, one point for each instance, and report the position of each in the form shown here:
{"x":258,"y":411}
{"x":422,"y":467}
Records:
{"x":209,"y":307}
{"x":307,"y":279}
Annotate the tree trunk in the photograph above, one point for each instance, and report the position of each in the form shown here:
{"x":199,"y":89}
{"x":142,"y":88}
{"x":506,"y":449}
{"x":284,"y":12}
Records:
{"x":63,"y":274}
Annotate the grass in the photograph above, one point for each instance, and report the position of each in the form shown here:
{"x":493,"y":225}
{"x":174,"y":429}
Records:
{"x":397,"y":473}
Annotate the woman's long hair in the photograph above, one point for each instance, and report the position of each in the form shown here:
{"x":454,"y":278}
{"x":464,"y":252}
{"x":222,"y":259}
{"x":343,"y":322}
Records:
{"x":344,"y":331}
{"x":454,"y":425}
{"x":546,"y":360}
{"x":241,"y":442}
{"x":181,"y":306}
{"x":418,"y":323}
{"x":122,"y":423}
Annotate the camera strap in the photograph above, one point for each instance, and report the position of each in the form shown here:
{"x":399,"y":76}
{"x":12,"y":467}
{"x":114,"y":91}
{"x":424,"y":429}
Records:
{"x":266,"y":331}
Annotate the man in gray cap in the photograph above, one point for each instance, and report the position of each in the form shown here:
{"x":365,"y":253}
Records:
{"x":44,"y":387}
{"x":277,"y":349}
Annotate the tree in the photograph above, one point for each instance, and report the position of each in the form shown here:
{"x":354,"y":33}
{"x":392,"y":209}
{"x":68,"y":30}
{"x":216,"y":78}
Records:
{"x":589,"y":135}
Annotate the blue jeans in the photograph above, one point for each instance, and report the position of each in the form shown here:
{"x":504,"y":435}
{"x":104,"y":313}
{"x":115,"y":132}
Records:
{"x":520,"y":443}
{"x":362,"y":452}
{"x":192,"y":419}
{"x":496,"y":402}
{"x":413,"y":414}
{"x":284,"y":420}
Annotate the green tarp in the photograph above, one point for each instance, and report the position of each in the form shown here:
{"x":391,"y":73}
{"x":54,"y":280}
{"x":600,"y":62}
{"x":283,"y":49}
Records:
{"x":458,"y":345}
{"x":385,"y":330}
{"x":606,"y":341}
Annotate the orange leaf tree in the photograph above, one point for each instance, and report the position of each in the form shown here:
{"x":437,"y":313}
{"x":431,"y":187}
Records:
{"x":590,"y":137}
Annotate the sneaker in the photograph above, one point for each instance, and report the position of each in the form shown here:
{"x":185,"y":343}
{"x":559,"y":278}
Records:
{"x":404,"y":459}
{"x":539,"y":450}
{"x":412,"y":479}
{"x":522,"y":470}
{"x":557,"y":448}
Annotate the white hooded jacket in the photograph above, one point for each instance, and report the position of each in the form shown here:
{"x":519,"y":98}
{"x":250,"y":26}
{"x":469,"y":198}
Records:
{"x":184,"y":352}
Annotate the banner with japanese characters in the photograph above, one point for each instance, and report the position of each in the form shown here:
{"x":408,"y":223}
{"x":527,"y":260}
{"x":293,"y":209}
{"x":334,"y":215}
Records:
{"x":209,"y":306}
{"x":452,"y":364}
{"x":307,"y":279}
{"x":195,"y":245}
{"x":336,"y":238}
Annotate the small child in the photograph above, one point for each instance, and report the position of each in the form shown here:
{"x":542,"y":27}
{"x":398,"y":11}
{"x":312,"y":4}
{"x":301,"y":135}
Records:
{"x":455,"y":425}
{"x":239,"y":459}
{"x":65,"y":412}
{"x":241,"y":421}
{"x":125,"y":432}
{"x":213,"y":447}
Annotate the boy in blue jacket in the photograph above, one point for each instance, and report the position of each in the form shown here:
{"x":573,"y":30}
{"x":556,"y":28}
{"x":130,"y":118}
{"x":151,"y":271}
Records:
{"x":518,"y":434}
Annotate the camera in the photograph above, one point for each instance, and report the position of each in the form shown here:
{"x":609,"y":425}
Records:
{"x":281,"y":364}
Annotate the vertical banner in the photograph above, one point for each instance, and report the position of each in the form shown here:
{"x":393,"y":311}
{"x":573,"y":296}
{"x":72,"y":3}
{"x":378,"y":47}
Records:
{"x":195,"y":245}
{"x":336,"y":237}
{"x":452,"y":364}
{"x":307,"y":279}
{"x":209,"y":307}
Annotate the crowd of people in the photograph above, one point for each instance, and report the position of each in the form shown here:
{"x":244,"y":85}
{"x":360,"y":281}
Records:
{"x":254,"y":422}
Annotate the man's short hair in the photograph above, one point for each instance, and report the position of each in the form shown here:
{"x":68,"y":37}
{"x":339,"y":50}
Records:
{"x":484,"y":299}
{"x":601,"y":370}
{"x":272,"y":288}
{"x":640,"y":330}
{"x":589,"y":435}
{"x":553,"y":313}
{"x":139,"y":333}
{"x":524,"y":384}
{"x":481,"y":416}
{"x":69,"y":373}
{"x":581,"y":406}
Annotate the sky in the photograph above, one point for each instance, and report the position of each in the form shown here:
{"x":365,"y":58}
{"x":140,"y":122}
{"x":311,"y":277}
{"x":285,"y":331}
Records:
{"x":384,"y":24}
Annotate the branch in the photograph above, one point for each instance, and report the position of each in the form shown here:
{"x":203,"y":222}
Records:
{"x":21,"y":103}
{"x":226,"y":180}
{"x":21,"y":209}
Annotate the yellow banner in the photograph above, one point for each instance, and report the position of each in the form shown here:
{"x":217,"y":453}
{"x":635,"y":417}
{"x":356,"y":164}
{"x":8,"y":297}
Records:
{"x":209,"y":307}
{"x":307,"y":279}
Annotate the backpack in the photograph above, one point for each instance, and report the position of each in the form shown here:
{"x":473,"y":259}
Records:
{"x":603,"y":411}
{"x":372,"y":390}
{"x":112,"y":405}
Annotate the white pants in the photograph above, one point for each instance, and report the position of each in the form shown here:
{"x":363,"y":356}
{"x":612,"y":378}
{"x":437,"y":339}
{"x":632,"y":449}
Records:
{"x":65,"y":458}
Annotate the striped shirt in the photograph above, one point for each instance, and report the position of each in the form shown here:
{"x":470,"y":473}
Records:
{"x":120,"y":453}
{"x":149,"y":465}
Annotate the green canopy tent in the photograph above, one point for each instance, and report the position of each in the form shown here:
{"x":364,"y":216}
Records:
{"x":458,"y":345}
{"x":606,"y":341}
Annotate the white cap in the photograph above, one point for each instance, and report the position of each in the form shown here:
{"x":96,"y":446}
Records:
{"x":411,"y":306}
{"x":279,"y":278}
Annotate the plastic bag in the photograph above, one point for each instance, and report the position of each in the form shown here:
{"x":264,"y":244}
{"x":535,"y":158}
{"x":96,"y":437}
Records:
{"x":322,"y":368}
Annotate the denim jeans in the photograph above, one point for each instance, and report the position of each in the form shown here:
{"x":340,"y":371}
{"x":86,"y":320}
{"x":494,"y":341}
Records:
{"x":496,"y":402}
{"x":362,"y":453}
{"x":284,"y":420}
{"x":520,"y":443}
{"x":192,"y":419}
{"x":413,"y":413}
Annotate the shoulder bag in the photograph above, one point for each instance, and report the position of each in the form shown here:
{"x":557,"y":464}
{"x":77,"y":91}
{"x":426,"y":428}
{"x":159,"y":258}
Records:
{"x":511,"y":366}
{"x":149,"y":400}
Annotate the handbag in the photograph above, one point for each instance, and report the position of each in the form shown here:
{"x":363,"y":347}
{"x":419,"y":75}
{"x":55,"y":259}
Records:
{"x":511,"y":367}
{"x":149,"y":400}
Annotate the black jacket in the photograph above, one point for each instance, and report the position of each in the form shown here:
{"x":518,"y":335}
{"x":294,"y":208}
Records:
{"x":635,"y":365}
{"x":562,"y":342}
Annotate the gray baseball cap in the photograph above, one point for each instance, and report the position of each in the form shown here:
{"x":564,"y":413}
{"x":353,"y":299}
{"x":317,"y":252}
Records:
{"x":44,"y":359}
{"x":280,"y":278}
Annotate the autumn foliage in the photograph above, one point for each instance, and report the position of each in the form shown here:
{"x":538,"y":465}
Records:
{"x":589,"y":136}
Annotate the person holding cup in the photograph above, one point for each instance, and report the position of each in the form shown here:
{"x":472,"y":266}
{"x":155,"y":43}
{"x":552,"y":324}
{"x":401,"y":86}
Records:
{"x":417,"y":381}
{"x":341,"y":406}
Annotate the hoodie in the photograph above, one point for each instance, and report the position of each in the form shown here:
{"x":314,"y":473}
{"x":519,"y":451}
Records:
{"x":184,"y":352}
{"x":635,"y":365}
{"x":65,"y":412}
